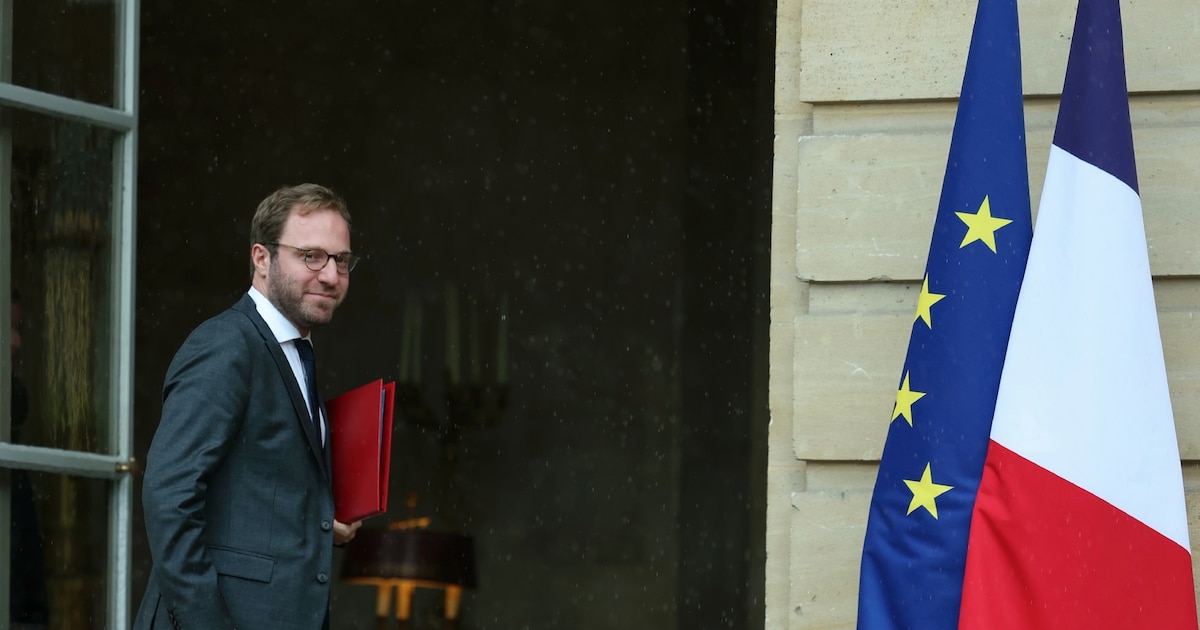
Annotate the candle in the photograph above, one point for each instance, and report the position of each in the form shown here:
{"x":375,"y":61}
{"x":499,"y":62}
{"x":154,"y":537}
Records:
{"x":406,"y":339}
{"x":473,"y":342}
{"x":416,"y":355}
{"x":453,"y":363}
{"x":502,"y":342}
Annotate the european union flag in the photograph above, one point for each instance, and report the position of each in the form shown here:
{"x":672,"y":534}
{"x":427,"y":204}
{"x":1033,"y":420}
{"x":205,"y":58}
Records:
{"x":915,"y":549}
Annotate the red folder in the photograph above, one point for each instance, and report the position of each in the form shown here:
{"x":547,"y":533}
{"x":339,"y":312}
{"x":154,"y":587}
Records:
{"x":361,"y":421}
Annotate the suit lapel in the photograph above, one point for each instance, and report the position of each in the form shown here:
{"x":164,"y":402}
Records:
{"x":247,"y":307}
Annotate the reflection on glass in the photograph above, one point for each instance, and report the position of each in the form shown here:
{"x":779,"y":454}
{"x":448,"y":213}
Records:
{"x":59,"y":550}
{"x":66,"y":47}
{"x":61,"y":267}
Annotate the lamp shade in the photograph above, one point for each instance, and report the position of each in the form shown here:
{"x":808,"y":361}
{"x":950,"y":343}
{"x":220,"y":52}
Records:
{"x":410,"y":554}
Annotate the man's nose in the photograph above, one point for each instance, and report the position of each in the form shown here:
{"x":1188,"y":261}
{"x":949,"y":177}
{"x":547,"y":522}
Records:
{"x":329,"y":273}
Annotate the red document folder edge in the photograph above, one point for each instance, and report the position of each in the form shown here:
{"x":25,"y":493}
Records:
{"x":361,"y":422}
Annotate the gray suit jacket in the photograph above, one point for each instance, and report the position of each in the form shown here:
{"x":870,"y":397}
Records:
{"x":236,"y":494}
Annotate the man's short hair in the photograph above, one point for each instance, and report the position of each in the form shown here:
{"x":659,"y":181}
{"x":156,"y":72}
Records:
{"x":273,"y":212}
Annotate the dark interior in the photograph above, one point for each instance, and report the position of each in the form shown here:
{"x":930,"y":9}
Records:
{"x":596,"y":172}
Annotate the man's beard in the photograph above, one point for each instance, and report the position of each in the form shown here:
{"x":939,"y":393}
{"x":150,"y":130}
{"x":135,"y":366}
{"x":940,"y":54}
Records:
{"x":287,"y":295}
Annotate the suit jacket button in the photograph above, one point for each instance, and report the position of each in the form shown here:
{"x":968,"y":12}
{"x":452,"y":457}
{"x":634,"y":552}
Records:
{"x":326,"y":526}
{"x":322,"y":578}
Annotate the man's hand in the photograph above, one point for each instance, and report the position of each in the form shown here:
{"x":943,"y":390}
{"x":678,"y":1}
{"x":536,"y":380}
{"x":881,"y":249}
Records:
{"x":343,"y":533}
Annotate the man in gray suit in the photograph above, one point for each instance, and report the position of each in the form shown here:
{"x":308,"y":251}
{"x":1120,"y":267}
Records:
{"x":237,"y":491}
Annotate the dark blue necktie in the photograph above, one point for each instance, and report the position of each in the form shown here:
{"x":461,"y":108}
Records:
{"x":309,"y":362}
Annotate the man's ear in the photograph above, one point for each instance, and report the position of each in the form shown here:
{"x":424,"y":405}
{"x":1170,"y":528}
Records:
{"x":260,"y":257}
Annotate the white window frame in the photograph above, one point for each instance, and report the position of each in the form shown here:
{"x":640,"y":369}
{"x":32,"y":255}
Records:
{"x":117,"y":467}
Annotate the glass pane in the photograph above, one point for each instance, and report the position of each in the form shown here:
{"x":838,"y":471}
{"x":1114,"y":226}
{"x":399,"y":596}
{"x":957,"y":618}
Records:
{"x":66,"y":47}
{"x":62,"y":248}
{"x":59,"y":549}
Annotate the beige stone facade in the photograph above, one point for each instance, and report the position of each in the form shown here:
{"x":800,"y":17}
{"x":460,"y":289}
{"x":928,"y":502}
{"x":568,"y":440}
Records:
{"x":865,"y":101}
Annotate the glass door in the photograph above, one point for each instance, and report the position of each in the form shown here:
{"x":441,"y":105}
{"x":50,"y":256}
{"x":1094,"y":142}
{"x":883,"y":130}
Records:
{"x":68,"y":138}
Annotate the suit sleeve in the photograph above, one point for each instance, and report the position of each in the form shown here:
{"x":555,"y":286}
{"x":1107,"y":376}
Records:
{"x":204,"y":401}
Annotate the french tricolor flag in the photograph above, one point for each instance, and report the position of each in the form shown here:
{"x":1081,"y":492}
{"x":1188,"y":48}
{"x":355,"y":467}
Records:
{"x":1079,"y":519}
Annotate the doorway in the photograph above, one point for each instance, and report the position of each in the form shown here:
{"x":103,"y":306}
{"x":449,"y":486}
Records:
{"x":603,"y":171}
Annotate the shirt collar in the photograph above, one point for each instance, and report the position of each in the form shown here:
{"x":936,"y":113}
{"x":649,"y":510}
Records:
{"x":283,"y":329}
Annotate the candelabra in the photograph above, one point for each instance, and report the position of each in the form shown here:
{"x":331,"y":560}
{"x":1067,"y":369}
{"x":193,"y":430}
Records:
{"x":409,"y":554}
{"x":473,"y":398}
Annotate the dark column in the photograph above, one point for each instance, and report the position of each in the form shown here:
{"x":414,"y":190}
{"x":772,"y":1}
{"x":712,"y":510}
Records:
{"x":724,"y":345}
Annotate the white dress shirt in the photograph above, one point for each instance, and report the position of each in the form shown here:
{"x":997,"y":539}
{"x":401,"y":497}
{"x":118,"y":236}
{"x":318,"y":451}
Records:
{"x":287,"y":334}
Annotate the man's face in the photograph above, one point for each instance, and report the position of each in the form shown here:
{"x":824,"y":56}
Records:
{"x":306,"y":297}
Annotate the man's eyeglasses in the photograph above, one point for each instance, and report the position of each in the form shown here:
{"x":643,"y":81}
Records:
{"x":317,"y":259}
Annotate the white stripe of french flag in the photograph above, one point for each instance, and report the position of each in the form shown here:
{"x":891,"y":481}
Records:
{"x":1080,"y":520}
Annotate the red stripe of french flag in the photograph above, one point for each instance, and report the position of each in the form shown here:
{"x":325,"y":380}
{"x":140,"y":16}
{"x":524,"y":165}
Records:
{"x":1045,"y":553}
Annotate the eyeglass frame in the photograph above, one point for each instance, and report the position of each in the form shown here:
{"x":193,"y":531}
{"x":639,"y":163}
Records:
{"x":310,"y":258}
